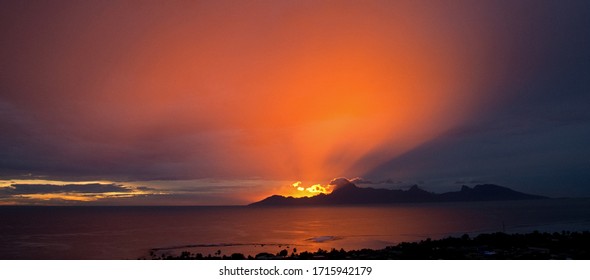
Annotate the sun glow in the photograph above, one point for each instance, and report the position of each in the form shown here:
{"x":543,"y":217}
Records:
{"x":256,"y":91}
{"x":374,"y":89}
{"x":298,"y":190}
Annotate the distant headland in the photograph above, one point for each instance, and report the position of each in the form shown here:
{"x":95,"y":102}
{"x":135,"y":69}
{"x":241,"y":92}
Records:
{"x":350,"y":194}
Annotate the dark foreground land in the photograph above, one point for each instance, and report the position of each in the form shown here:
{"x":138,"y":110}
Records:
{"x":494,"y":246}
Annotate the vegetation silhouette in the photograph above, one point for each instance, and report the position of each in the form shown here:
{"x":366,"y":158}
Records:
{"x":490,"y":246}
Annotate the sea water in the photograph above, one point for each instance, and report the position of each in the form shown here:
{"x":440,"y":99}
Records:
{"x":143,"y":232}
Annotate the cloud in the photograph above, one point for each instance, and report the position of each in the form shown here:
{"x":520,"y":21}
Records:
{"x":18,"y":189}
{"x":359,"y":180}
{"x":474,"y":181}
{"x":339,"y":182}
{"x":142,"y":188}
{"x":230,"y":107}
{"x":228,"y":101}
{"x":70,"y":193}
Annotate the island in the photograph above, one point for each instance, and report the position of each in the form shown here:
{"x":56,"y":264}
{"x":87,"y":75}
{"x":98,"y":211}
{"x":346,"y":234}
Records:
{"x":350,"y":194}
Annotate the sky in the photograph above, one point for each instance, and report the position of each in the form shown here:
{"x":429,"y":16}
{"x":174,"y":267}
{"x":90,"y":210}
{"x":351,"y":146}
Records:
{"x":227,"y":102}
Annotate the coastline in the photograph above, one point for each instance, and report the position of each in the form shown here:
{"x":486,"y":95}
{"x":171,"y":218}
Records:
{"x":536,"y":245}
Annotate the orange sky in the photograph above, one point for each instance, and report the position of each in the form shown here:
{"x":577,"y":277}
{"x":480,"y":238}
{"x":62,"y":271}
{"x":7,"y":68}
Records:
{"x":290,"y":91}
{"x":278,"y":90}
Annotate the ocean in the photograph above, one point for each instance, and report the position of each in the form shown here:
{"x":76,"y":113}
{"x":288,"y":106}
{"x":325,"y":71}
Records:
{"x":92,"y":232}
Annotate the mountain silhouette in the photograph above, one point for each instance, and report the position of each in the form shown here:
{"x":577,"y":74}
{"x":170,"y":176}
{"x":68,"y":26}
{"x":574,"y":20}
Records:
{"x":349,"y":193}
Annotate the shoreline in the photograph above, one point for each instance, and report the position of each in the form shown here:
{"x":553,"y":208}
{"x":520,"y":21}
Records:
{"x":487,"y":246}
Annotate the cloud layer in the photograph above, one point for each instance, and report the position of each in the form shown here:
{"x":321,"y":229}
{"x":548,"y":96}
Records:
{"x":294,"y":91}
{"x":299,"y":90}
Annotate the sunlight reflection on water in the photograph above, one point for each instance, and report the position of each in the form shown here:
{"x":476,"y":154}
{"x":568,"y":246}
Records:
{"x":131,"y":232}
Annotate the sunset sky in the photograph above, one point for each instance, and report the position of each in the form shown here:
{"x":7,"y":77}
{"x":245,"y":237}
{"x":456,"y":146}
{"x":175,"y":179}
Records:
{"x":227,"y":102}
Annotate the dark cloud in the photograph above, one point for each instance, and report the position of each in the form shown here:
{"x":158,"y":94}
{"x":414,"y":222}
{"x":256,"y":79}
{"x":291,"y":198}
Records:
{"x":533,"y":133}
{"x":551,"y":161}
{"x":142,"y":188}
{"x":20,"y":189}
{"x":339,"y":182}
{"x":359,"y":180}
{"x":463,"y":182}
{"x":118,"y":194}
{"x":386,"y":182}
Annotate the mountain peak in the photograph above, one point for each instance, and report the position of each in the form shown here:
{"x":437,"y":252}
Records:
{"x":349,"y":193}
{"x":465,"y":188}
